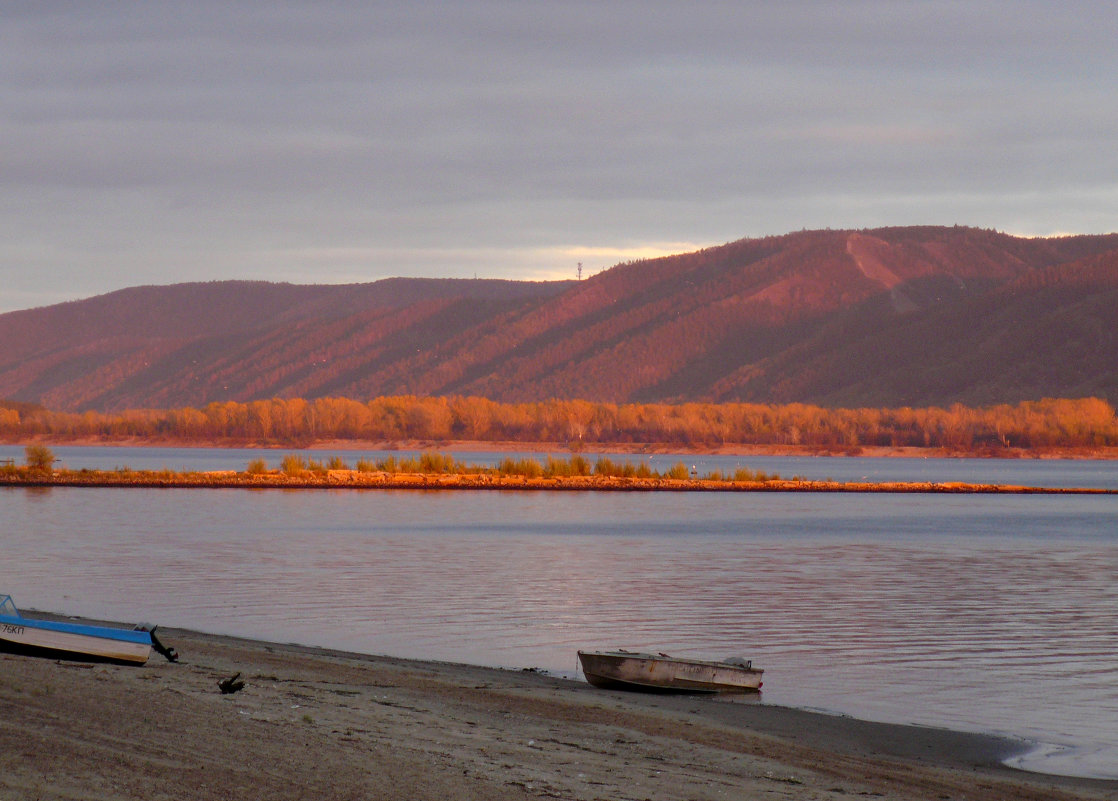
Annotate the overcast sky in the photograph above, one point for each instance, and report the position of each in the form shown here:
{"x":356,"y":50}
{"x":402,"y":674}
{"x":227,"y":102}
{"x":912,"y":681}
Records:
{"x":312,"y":142}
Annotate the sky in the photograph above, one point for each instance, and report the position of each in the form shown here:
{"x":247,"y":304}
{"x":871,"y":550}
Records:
{"x":343,"y":141}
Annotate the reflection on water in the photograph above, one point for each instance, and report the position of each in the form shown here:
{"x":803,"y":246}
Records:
{"x":991,"y":613}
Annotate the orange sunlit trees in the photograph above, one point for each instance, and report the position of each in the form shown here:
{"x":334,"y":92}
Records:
{"x":1087,"y":422}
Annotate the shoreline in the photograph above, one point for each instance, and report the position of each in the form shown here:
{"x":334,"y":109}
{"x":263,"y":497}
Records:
{"x":630,"y":448}
{"x":333,"y":724}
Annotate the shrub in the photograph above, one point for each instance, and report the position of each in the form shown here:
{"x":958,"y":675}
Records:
{"x":40,"y":458}
{"x":293,"y":465}
{"x":556,"y":467}
{"x":337,"y":463}
{"x":605,"y":467}
{"x":679,"y":470}
{"x":409,"y":465}
{"x":755,"y":476}
{"x":575,"y":466}
{"x":316,"y":466}
{"x":257,"y":467}
{"x":437,"y":463}
{"x":365,"y":466}
{"x":529,"y":468}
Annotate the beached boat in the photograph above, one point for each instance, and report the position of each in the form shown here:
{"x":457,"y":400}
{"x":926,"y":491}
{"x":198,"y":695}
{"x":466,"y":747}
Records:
{"x":662,"y":673}
{"x":70,"y":640}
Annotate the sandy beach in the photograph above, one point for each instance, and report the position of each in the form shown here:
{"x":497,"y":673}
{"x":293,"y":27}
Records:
{"x":319,"y":724}
{"x":588,"y":449}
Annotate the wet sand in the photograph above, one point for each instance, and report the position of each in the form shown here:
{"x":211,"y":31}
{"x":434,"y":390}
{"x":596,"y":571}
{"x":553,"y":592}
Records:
{"x":320,"y":724}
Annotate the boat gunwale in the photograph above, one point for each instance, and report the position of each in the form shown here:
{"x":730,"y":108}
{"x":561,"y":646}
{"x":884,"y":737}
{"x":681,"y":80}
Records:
{"x":627,"y":670}
{"x":103,"y":632}
{"x":668,"y":658}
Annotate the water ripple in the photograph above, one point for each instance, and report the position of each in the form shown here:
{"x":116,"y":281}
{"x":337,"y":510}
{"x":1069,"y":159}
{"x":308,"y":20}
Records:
{"x":983,"y":613}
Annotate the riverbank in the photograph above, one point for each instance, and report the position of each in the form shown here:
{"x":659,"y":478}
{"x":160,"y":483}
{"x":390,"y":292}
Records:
{"x":312,"y":723}
{"x":590,"y":448}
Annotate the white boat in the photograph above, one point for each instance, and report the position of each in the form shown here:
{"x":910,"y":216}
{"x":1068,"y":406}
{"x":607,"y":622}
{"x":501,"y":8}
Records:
{"x":70,"y":640}
{"x":662,"y":673}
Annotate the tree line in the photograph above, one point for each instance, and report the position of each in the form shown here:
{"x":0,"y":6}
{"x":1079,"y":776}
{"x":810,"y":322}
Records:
{"x":1087,"y":422}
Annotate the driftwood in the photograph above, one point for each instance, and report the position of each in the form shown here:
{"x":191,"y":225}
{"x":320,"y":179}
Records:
{"x":170,"y":654}
{"x":231,"y":684}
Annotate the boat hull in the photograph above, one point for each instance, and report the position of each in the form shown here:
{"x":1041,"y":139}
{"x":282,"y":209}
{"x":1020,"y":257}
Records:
{"x":661,"y":673}
{"x":74,"y":640}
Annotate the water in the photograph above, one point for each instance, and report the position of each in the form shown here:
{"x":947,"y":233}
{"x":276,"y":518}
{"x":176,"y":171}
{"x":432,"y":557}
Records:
{"x":982,"y":613}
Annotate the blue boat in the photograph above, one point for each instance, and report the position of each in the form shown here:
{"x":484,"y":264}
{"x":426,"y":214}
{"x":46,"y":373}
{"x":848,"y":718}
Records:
{"x":60,"y":639}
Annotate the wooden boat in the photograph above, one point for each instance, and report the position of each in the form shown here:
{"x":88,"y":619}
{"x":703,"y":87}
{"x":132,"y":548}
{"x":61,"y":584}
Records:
{"x":70,"y":640}
{"x":662,"y":673}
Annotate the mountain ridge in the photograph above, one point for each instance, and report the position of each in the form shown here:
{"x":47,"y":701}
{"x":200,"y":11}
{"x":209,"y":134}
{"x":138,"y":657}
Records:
{"x":921,"y":315}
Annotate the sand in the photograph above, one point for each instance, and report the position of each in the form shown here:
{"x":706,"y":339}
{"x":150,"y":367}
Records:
{"x":590,"y":450}
{"x":315,"y":724}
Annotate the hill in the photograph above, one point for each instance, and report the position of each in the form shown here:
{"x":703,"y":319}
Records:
{"x":885,"y":317}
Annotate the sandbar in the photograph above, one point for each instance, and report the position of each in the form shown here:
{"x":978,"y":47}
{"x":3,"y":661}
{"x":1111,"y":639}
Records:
{"x":376,"y":480}
{"x":322,"y":724}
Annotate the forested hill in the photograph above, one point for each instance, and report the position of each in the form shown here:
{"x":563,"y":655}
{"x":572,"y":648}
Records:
{"x":889,"y":317}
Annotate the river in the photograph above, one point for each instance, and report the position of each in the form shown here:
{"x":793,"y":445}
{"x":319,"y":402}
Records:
{"x":992,"y":613}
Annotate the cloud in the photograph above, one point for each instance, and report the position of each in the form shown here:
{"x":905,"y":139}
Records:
{"x":162,"y":142}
